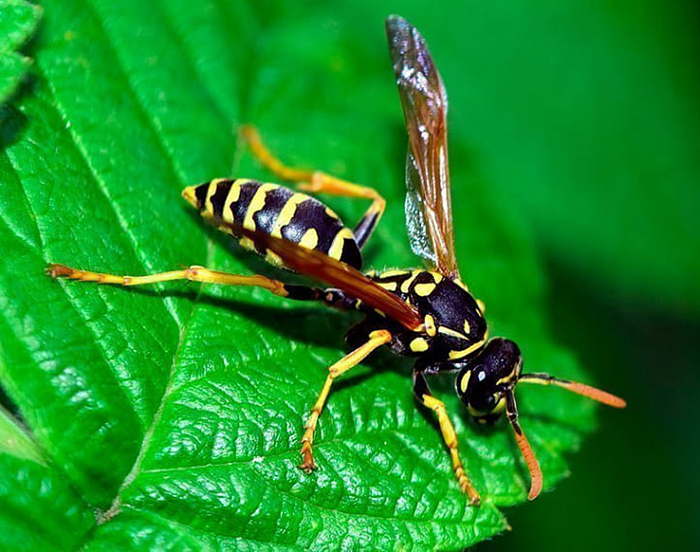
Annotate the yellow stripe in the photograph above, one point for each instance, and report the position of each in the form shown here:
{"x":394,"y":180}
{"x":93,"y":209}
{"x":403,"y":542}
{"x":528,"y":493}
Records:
{"x":452,"y":333}
{"x":430,"y":325}
{"x":461,"y":284}
{"x":336,"y":249}
{"x":406,"y":285}
{"x":247,"y":243}
{"x":454,"y":355}
{"x":233,"y":194}
{"x":274,"y":259}
{"x":500,"y":406}
{"x":418,"y":345}
{"x":506,"y":379}
{"x":464,"y":382}
{"x":309,"y":239}
{"x":256,"y":204}
{"x":211,"y":190}
{"x":390,"y":286}
{"x":287,"y":214}
{"x":392,"y":273}
{"x":424,"y":289}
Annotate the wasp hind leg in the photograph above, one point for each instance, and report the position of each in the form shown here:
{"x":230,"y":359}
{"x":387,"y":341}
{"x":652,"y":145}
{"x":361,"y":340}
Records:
{"x":320,"y":182}
{"x":193,"y":274}
{"x":376,"y":339}
{"x":422,"y":392}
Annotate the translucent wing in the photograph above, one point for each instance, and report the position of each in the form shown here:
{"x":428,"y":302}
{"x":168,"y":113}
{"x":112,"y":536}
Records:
{"x":325,"y":269}
{"x":424,"y":101}
{"x":418,"y":236}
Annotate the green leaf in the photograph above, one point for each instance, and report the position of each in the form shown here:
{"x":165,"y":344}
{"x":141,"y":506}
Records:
{"x":40,"y":511}
{"x":171,"y":417}
{"x":18,"y":21}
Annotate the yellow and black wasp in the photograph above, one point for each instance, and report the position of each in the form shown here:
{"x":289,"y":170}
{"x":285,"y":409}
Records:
{"x":426,"y":314}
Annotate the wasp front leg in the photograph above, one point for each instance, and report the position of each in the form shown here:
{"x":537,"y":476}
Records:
{"x":376,"y":339}
{"x":320,"y":182}
{"x":422,"y":392}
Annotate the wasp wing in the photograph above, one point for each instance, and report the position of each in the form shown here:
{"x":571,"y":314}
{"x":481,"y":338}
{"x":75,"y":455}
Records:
{"x":414,"y":206}
{"x":424,"y":102}
{"x":330,"y":271}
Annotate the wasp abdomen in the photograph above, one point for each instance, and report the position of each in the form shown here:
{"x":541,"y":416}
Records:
{"x":279,"y":212}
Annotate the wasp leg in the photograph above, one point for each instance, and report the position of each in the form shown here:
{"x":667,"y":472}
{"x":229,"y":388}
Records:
{"x":422,"y":391}
{"x":192,"y":273}
{"x":320,"y":182}
{"x":376,"y":339}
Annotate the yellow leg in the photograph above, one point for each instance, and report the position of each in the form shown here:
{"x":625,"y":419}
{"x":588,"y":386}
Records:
{"x":192,"y":273}
{"x":450,"y":437}
{"x":376,"y":339}
{"x":319,"y":182}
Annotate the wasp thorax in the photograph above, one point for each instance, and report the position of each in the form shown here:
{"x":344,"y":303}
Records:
{"x":483,"y":380}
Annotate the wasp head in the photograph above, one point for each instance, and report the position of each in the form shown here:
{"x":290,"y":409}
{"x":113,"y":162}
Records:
{"x":484,"y":381}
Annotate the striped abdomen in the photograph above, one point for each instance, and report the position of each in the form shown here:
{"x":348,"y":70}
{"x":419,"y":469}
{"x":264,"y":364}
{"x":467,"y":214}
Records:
{"x":279,"y":212}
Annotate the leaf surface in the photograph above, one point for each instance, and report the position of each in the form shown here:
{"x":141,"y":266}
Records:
{"x":18,"y":21}
{"x":170,"y":417}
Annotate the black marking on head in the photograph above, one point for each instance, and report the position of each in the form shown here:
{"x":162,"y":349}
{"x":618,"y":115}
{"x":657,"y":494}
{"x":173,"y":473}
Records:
{"x":218,"y":198}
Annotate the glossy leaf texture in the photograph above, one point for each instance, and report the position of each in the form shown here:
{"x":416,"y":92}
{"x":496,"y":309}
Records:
{"x":18,"y":21}
{"x":170,"y":417}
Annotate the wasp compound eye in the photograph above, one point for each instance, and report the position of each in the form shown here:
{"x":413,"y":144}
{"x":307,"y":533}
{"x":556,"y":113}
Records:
{"x":482,"y":381}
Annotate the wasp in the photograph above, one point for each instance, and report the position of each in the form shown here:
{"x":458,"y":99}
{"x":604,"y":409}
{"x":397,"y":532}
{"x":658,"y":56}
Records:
{"x":428,"y":314}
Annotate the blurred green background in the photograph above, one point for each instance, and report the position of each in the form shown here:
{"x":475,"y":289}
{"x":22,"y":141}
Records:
{"x":584,"y":121}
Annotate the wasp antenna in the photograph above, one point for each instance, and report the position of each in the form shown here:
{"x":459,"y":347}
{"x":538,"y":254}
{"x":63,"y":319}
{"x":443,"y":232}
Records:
{"x":579,"y":388}
{"x":533,"y":465}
